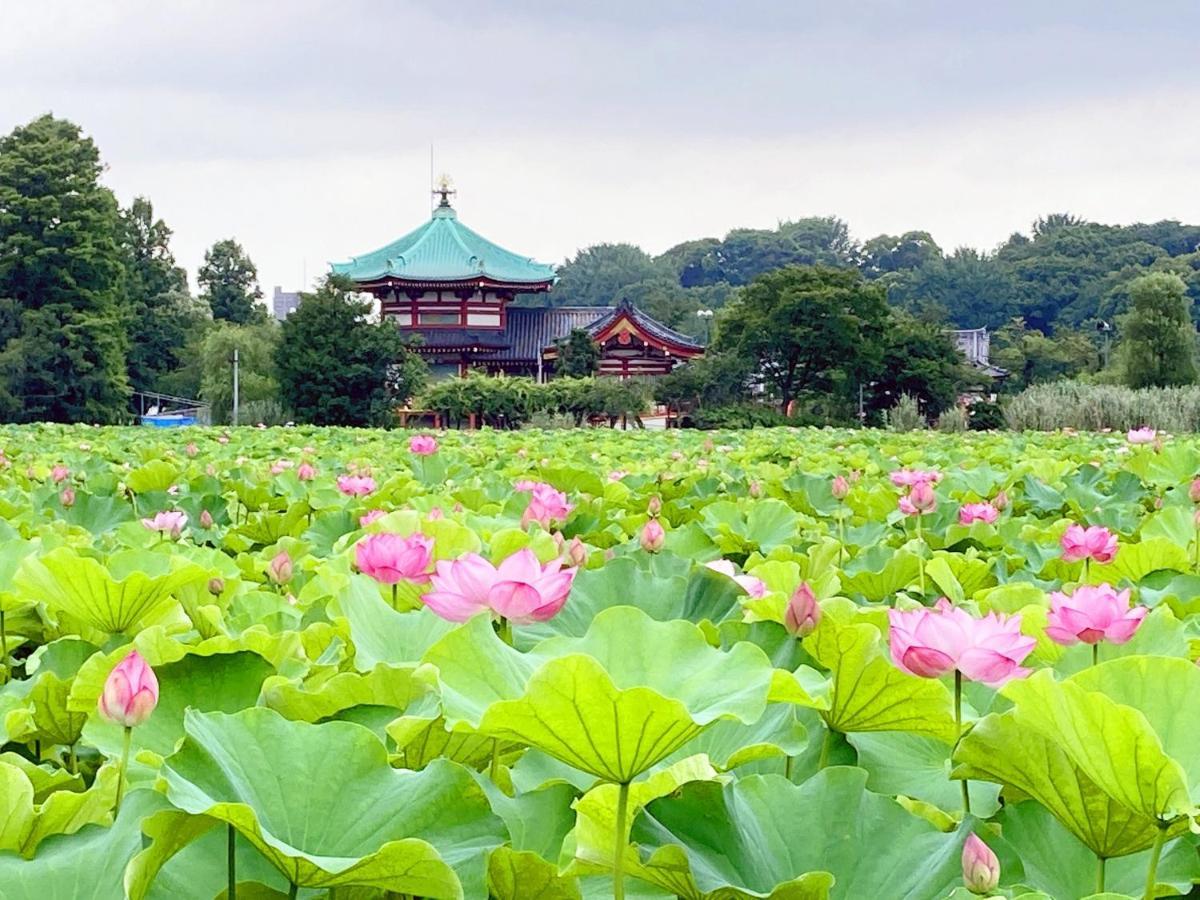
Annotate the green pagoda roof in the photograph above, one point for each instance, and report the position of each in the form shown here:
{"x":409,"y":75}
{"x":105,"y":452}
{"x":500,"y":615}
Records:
{"x":445,"y":251}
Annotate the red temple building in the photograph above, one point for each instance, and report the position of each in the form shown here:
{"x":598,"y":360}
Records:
{"x":455,"y":289}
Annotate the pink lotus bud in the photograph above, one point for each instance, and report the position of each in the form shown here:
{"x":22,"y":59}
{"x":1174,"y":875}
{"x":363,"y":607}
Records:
{"x":191,"y":450}
{"x":60,"y":474}
{"x":855,"y":475}
{"x":559,"y":541}
{"x":435,"y":513}
{"x":803,"y":612}
{"x":206,"y":519}
{"x":654,"y":505}
{"x":67,"y":498}
{"x":373,"y":516}
{"x":216,"y":586}
{"x":210,"y":469}
{"x":755,"y":489}
{"x":921,"y":496}
{"x":277,"y":468}
{"x":1000,"y":501}
{"x":981,"y":868}
{"x":390,"y":558}
{"x":576,"y":552}
{"x":130,"y":692}
{"x":653,"y":537}
{"x":423,"y":445}
{"x":1158,"y":502}
{"x":223,"y":439}
{"x":840,"y":488}
{"x":279,"y":570}
{"x":1194,"y":490}
{"x":305,"y":472}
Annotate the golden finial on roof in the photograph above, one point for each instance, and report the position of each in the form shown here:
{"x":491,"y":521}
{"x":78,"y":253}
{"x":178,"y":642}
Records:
{"x":444,"y":190}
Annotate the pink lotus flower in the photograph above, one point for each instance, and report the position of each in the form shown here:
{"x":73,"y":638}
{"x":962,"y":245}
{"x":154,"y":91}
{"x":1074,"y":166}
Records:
{"x":931,"y":642}
{"x":169,"y":522}
{"x":981,"y":868}
{"x":969,"y":513}
{"x":1142,"y":436}
{"x":753,"y":586}
{"x":60,"y":474}
{"x":280,"y":569}
{"x":1194,"y":490}
{"x":356,"y":485}
{"x":390,"y":558}
{"x":520,"y":589}
{"x":840,"y":488}
{"x":1093,"y":613}
{"x":130,"y":692}
{"x":191,"y":450}
{"x":653,"y":537}
{"x":803,"y":612}
{"x":905,"y":506}
{"x":1096,"y":543}
{"x":279,"y":467}
{"x":546,"y":505}
{"x":67,"y":498}
{"x":373,"y":516}
{"x":913,"y":477}
{"x":423,"y":445}
{"x":306,"y":472}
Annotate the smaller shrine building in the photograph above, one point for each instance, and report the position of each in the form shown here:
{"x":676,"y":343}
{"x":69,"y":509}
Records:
{"x":456,"y":290}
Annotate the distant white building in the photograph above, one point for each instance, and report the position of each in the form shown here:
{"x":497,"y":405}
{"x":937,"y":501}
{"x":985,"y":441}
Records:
{"x":976,"y":345}
{"x":284,"y":303}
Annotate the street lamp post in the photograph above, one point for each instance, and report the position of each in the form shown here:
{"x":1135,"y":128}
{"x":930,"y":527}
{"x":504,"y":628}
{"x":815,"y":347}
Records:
{"x":706,"y":315}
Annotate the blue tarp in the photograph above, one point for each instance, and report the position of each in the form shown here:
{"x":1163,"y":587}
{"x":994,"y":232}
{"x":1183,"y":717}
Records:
{"x":168,"y":421}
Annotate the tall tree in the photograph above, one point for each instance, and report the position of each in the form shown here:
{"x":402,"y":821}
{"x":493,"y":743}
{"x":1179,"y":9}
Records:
{"x":229,"y":284}
{"x":258,"y":387}
{"x":1158,"y":338}
{"x":808,"y":328}
{"x":337,"y":367}
{"x":61,"y":271}
{"x":578,"y":354}
{"x":919,"y":360}
{"x":163,"y":318}
{"x":597,"y":275}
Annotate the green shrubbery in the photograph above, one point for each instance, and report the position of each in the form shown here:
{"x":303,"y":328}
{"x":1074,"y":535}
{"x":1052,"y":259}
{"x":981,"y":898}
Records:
{"x":502,"y":402}
{"x":1074,"y":404}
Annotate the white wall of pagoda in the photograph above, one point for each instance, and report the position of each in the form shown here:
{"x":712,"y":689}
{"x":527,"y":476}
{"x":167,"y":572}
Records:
{"x":445,"y":309}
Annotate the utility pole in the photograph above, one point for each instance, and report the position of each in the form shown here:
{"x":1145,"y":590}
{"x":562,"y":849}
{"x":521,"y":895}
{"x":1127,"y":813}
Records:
{"x":235,"y":386}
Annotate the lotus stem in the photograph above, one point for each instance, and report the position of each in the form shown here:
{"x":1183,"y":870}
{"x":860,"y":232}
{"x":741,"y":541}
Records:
{"x":494,"y":767}
{"x":619,"y":843}
{"x":3,"y":647}
{"x":231,"y":861}
{"x":921,"y":555}
{"x":1095,"y":653}
{"x":826,"y":746}
{"x":842,"y":535}
{"x":124,"y":766}
{"x":966,"y":785}
{"x":1087,"y":569}
{"x":1152,"y":870}
{"x":504,"y":629}
{"x":1198,"y":549}
{"x":1100,"y":874}
{"x":72,"y":760}
{"x":787,"y":768}
{"x":395,"y":595}
{"x":293,"y":891}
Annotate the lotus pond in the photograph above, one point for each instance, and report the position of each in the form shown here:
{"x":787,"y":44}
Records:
{"x":784,"y":664}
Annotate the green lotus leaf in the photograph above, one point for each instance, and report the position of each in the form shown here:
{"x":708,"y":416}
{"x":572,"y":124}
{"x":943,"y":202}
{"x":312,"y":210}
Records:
{"x":1054,"y":861}
{"x":613,"y":702}
{"x":523,"y":875}
{"x":538,"y":822}
{"x":132,"y":589}
{"x":45,"y":778}
{"x":25,"y":823}
{"x":189,"y":855}
{"x":762,"y":836}
{"x":98,"y":513}
{"x":730,"y":743}
{"x":918,"y":766}
{"x":1135,"y":561}
{"x":424,"y":832}
{"x":156,"y":475}
{"x":87,"y":865}
{"x":868,"y":693}
{"x":1001,"y":750}
{"x":421,"y":735}
{"x":769,"y":523}
{"x":395,"y":687}
{"x":880,"y":576}
{"x":381,"y":634}
{"x":1131,"y":725}
{"x":224,"y":682}
{"x":1174,"y":523}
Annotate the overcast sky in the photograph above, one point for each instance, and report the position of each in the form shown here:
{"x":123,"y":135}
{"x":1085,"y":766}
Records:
{"x":303,"y":127}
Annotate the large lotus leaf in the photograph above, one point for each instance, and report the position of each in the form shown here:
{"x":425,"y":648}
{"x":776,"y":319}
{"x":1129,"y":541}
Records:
{"x":45,"y":716}
{"x":224,"y":682}
{"x":918,"y":766}
{"x":1135,"y":561}
{"x":1175,"y":523}
{"x":395,"y":687}
{"x":751,"y":837}
{"x":1000,"y":749}
{"x":87,"y":865}
{"x":527,"y":868}
{"x":131,"y":590}
{"x":26,"y":823}
{"x":730,"y":743}
{"x":45,"y":778}
{"x":880,"y":576}
{"x":156,"y":475}
{"x":12,"y":554}
{"x":769,"y":523}
{"x":283,"y":785}
{"x":98,"y":513}
{"x":613,"y":702}
{"x":1055,"y":862}
{"x":189,"y":855}
{"x":868,"y":693}
{"x":1131,"y":725}
{"x":381,"y":634}
{"x":421,"y":735}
